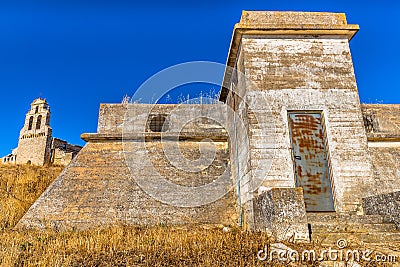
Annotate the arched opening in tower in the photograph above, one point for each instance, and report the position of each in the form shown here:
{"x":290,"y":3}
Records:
{"x":30,"y":123}
{"x":39,"y":122}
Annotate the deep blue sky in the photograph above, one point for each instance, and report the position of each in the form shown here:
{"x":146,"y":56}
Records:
{"x":78,"y":54}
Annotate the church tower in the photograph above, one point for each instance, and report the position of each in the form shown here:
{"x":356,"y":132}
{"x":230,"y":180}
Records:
{"x":35,"y":138}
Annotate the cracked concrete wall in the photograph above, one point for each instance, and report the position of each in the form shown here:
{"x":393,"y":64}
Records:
{"x":100,"y":188}
{"x":294,"y":70}
{"x":282,"y":61}
{"x":382,"y":124}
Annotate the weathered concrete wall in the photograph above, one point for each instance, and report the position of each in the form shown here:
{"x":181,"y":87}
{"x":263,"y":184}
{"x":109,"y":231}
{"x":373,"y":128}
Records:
{"x":382,"y":123}
{"x":386,"y":205}
{"x":386,"y":164}
{"x":111,"y":118}
{"x":350,"y":163}
{"x":100,"y":187}
{"x":288,"y":68}
{"x":237,"y":113}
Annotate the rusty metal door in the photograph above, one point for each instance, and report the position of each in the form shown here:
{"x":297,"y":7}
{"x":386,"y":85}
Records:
{"x":310,"y":160}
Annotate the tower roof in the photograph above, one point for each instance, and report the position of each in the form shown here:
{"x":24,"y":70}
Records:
{"x":286,"y":23}
{"x":39,"y":101}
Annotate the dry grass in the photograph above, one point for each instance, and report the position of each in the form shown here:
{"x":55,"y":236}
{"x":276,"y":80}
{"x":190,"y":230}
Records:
{"x":117,"y":246}
{"x":20,"y":186}
{"x":130,"y":246}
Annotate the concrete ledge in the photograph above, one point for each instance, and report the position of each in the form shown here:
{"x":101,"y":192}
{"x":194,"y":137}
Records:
{"x":280,"y":18}
{"x":183,"y":136}
{"x":383,"y":138}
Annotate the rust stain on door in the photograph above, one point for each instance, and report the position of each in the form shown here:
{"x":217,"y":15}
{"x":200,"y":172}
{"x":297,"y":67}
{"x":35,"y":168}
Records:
{"x":310,"y":160}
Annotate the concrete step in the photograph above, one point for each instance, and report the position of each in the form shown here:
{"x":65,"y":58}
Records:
{"x":352,"y":227}
{"x":328,"y":228}
{"x":373,"y":238}
{"x":337,"y":218}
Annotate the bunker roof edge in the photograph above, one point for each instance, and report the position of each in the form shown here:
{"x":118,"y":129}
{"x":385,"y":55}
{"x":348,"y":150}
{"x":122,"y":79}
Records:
{"x":283,"y":23}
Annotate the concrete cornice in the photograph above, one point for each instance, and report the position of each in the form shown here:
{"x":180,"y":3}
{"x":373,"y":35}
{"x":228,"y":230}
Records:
{"x":384,"y":138}
{"x":182,"y":136}
{"x":269,"y":23}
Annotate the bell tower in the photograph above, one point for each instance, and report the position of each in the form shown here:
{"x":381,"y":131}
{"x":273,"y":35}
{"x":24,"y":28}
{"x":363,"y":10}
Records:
{"x":34,"y":142}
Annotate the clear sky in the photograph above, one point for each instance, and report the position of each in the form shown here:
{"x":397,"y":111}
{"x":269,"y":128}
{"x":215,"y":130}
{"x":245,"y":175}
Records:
{"x":81,"y":53}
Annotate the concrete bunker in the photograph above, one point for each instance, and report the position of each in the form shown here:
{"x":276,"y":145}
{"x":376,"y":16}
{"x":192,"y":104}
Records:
{"x":311,"y":129}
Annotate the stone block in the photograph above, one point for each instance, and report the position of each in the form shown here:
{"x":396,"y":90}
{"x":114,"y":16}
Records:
{"x":387,"y":205}
{"x":281,"y":212}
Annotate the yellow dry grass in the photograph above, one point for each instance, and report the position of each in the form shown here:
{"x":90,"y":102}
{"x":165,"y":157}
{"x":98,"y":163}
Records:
{"x":117,"y":246}
{"x":20,"y":186}
{"x":130,"y":246}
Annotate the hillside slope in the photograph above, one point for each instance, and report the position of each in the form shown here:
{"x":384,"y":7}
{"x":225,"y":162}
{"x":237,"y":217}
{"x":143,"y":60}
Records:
{"x":20,"y":186}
